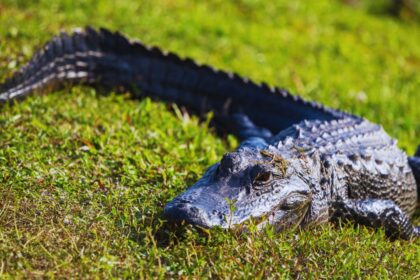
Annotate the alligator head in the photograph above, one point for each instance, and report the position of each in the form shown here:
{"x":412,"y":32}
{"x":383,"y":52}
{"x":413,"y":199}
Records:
{"x":257,"y":181}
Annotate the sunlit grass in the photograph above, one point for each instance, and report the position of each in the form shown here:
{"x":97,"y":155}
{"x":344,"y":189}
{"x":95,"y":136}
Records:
{"x":84,"y":177}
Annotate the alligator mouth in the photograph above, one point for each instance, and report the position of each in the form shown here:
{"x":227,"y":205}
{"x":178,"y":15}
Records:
{"x":198,"y":216}
{"x":281,"y":220}
{"x":178,"y":212}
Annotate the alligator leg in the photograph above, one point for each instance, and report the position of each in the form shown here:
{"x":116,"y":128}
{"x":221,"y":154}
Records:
{"x":415,"y":166}
{"x":241,"y":125}
{"x":376,"y":213}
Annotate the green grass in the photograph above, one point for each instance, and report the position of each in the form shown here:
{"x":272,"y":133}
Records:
{"x":84,"y":177}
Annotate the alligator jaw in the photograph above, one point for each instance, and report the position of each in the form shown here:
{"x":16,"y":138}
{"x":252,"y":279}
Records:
{"x":178,"y":212}
{"x":281,"y":220}
{"x":200,"y":205}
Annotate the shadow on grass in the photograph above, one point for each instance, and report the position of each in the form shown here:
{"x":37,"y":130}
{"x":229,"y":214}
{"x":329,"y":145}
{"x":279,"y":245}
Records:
{"x":396,"y":9}
{"x":168,"y":234}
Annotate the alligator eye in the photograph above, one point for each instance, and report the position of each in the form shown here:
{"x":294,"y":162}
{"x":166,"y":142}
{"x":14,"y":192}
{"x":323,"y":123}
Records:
{"x":263,"y":178}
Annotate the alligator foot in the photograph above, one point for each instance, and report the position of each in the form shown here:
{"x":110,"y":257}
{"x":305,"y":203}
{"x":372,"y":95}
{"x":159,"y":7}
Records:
{"x":242,"y":126}
{"x":376,"y":213}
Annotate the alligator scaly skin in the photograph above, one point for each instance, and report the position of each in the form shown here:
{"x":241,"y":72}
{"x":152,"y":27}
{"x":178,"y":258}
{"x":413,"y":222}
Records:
{"x":320,"y":171}
{"x":108,"y":59}
{"x":358,"y":160}
{"x":321,"y":164}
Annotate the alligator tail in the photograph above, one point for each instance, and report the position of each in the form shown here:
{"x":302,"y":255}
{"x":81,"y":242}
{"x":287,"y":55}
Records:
{"x":106,"y":59}
{"x":84,"y":57}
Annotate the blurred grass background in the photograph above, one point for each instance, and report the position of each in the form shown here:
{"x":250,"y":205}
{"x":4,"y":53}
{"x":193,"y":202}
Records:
{"x":84,"y":177}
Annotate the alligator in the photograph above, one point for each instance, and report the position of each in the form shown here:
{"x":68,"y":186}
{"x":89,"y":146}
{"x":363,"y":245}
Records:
{"x":299,"y":163}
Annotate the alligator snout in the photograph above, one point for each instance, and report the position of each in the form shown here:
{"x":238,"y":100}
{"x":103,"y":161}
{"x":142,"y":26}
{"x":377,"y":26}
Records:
{"x":177,"y":212}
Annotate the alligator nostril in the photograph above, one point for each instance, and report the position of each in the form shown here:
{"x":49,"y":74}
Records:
{"x":230,"y":162}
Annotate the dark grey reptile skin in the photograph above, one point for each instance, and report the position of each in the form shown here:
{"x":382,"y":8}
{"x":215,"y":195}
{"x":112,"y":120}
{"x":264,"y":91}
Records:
{"x":300,"y":163}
